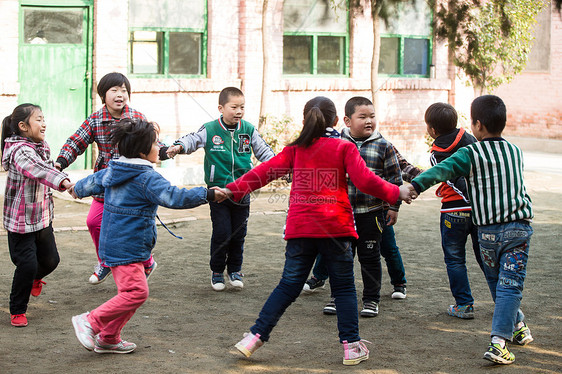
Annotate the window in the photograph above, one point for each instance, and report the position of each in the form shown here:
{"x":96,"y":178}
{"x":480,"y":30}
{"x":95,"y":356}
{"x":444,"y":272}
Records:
{"x":167,"y":37}
{"x":406,"y":41}
{"x":315,"y":38}
{"x":53,"y":26}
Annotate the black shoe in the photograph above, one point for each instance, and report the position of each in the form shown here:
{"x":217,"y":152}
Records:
{"x":312,"y":284}
{"x":330,"y":308}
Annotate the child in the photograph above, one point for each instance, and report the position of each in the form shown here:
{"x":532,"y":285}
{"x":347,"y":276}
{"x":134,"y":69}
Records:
{"x":133,"y":191}
{"x":456,"y":221}
{"x":114,"y":90}
{"x":28,"y":205}
{"x":388,"y":250}
{"x":228,"y":143}
{"x":369,"y":211}
{"x":502,"y":210}
{"x":320,"y":220}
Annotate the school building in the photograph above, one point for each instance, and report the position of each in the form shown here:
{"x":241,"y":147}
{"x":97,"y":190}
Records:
{"x":179,"y":54}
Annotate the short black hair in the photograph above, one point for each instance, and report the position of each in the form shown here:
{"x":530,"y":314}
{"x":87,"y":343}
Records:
{"x":353,"y":103}
{"x":227,"y":92}
{"x":133,"y":137}
{"x":441,"y":117}
{"x":112,"y":80}
{"x":490,"y":110}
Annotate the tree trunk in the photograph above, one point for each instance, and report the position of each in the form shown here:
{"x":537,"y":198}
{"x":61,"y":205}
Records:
{"x":375,"y":9}
{"x":265,"y":40}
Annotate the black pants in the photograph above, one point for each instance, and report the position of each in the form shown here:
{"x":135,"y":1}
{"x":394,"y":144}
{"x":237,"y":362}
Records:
{"x":35,"y":256}
{"x":369,"y":228}
{"x":230,"y":223}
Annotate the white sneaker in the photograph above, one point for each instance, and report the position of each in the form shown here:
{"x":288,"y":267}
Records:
{"x":217,"y":281}
{"x":354,"y":353}
{"x":235,"y":279}
{"x":249,"y":344}
{"x":83,"y":330}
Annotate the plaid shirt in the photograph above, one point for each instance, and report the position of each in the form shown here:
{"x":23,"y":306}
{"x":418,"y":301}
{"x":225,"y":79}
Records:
{"x":28,"y":201}
{"x":380,"y":157}
{"x":96,"y":128}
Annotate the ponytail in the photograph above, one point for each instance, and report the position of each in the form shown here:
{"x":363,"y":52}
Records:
{"x":319,"y":113}
{"x":10,"y":125}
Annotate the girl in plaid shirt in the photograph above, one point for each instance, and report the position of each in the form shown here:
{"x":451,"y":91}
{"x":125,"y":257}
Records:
{"x":114,"y":90}
{"x":28,"y":204}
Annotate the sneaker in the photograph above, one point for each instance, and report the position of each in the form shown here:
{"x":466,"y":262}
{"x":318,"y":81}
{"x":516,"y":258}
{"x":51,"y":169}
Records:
{"x":84,"y":331}
{"x":148,"y":270}
{"x":497,"y":354}
{"x":249,"y":344}
{"x":370,"y":309}
{"x":121,"y":347}
{"x":18,"y":320}
{"x":523,"y":335}
{"x":235,"y":279}
{"x":330,"y":308}
{"x":399,"y":292}
{"x":461,"y":311}
{"x":217,"y":281}
{"x":100,"y":274}
{"x":354,"y":353}
{"x":312,"y":284}
{"x":37,"y":287}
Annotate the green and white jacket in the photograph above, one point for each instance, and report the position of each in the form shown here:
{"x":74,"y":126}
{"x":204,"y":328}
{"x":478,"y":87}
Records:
{"x":494,"y":171}
{"x":228,"y":154}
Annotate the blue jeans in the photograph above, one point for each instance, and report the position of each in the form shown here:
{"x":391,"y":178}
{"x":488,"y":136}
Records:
{"x":299,"y":258}
{"x":456,"y":227}
{"x":505,"y":250}
{"x":392,"y":257}
{"x":230,"y":223}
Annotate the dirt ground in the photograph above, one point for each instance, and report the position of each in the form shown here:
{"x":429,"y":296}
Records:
{"x":185,"y":327}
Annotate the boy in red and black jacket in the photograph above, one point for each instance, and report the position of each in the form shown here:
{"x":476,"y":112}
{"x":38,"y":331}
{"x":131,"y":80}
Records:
{"x":456,"y":221}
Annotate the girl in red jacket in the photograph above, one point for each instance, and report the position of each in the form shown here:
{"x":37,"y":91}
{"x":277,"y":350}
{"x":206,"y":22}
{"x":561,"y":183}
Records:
{"x":320,"y":220}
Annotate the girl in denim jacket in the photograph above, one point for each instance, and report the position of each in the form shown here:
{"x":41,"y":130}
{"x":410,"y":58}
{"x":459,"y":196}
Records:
{"x":133,"y":191}
{"x":28,"y":205}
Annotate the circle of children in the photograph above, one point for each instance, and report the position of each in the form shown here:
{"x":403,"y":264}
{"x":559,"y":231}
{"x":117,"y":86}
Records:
{"x":338,"y":205}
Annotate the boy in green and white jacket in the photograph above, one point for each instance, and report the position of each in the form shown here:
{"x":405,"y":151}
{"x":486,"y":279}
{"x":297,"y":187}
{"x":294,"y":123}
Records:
{"x":228,"y":142}
{"x":502,"y":210}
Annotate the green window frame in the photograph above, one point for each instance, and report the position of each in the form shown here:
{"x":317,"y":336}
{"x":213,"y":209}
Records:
{"x":400,"y":59}
{"x":166,"y":45}
{"x":315,"y":39}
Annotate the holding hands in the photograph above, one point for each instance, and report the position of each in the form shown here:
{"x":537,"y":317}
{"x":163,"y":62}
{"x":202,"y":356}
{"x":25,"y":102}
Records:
{"x":173,"y":150}
{"x":407,"y":193}
{"x":222,"y":194}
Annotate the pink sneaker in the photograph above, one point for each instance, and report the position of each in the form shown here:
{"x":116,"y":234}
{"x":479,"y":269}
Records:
{"x":249,"y":344}
{"x":121,"y":347}
{"x":354,"y":353}
{"x":83,"y":330}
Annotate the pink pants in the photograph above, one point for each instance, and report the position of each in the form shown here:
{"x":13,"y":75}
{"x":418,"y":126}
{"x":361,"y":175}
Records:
{"x":132,"y":291}
{"x":93,"y":221}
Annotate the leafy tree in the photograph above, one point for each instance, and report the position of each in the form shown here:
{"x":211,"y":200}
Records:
{"x":490,"y":42}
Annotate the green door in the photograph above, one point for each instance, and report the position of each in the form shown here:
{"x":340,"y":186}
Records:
{"x":54,"y":70}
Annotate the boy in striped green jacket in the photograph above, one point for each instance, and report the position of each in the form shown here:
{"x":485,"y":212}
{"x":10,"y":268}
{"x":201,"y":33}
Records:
{"x":502,"y":210}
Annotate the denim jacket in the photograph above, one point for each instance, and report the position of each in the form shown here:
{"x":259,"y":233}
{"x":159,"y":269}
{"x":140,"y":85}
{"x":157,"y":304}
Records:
{"x":133,"y":192}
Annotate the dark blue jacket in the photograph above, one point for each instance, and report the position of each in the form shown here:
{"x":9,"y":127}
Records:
{"x":133,"y":192}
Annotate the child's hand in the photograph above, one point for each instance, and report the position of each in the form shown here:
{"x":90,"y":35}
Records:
{"x":173,"y":150}
{"x":391,"y":217}
{"x":221,"y":194}
{"x":407,"y":193}
{"x":70,"y":190}
{"x":58,"y":166}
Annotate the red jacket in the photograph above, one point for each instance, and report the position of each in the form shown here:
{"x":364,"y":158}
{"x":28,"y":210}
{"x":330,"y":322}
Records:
{"x":318,"y":204}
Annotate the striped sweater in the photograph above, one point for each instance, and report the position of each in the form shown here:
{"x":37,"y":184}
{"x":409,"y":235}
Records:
{"x":494,"y":172}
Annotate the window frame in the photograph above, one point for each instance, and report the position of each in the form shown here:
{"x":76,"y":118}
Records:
{"x":401,"y":43}
{"x":166,"y":51}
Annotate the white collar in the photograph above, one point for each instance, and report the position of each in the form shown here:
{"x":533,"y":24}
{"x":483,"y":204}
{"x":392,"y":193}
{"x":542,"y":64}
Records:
{"x":136,"y":161}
